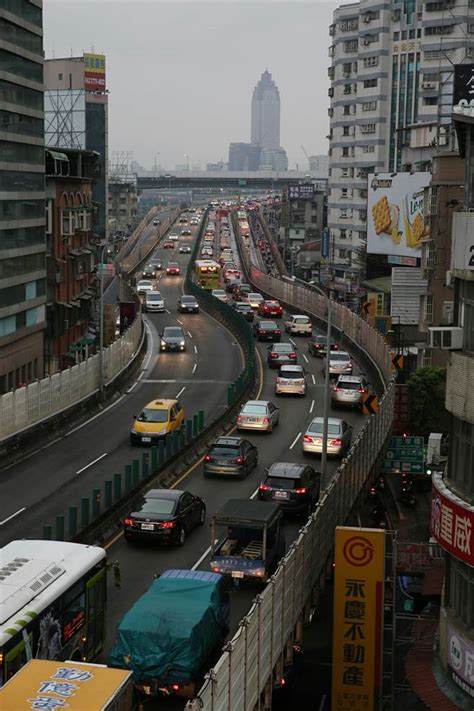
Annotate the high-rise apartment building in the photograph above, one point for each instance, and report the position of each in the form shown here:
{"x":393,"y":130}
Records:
{"x":391,"y":68}
{"x":22,"y":194}
{"x":265,"y":126}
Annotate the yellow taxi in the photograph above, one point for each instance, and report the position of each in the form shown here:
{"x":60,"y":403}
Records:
{"x":156,"y":419}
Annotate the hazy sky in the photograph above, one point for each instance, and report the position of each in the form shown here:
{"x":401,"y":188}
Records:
{"x":181,"y":74}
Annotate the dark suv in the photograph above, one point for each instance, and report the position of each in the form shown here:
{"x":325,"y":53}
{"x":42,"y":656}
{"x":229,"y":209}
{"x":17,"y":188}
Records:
{"x":294,"y":486}
{"x":231,"y":455}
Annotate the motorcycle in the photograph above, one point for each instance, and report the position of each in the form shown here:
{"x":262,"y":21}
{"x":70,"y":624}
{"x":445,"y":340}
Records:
{"x":406,"y":496}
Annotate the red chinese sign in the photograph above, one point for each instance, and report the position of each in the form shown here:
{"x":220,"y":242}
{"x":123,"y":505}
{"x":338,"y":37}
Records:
{"x":452,"y":522}
{"x":401,"y":407}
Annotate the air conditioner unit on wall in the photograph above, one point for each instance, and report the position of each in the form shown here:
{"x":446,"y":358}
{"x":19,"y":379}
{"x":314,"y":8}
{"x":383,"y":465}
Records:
{"x":446,"y":337}
{"x":428,"y":85}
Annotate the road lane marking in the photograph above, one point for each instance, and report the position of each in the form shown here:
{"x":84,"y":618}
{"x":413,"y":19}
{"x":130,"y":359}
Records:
{"x":195,"y":349}
{"x":79,"y":471}
{"x":179,"y":321}
{"x":5,"y":520}
{"x":190,"y":334}
{"x":167,"y":311}
{"x":314,"y":379}
{"x":292,"y":342}
{"x":208,"y":549}
{"x":306,"y":360}
{"x":180,"y":392}
{"x":312,"y":407}
{"x":295,"y":440}
{"x":194,"y":368}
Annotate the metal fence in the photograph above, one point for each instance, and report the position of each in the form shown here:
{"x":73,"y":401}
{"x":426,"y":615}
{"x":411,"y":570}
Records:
{"x":36,"y":402}
{"x":245,"y":668}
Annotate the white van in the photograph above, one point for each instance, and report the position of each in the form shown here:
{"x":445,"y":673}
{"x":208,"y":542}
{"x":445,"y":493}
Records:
{"x":299,"y":324}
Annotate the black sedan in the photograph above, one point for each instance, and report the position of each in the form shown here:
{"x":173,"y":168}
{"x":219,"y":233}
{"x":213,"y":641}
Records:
{"x":281,"y":354}
{"x":317,"y":346}
{"x":188,"y":304}
{"x":244,"y":309}
{"x":165,"y":516}
{"x":173,"y":339}
{"x":231,"y":455}
{"x":267,"y":331}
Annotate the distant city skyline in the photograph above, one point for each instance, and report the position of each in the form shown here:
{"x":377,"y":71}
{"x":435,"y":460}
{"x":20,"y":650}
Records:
{"x":181,"y":74}
{"x":265,"y":113}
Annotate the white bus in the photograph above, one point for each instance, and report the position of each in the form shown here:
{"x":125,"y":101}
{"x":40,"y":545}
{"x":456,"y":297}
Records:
{"x":52,"y":603}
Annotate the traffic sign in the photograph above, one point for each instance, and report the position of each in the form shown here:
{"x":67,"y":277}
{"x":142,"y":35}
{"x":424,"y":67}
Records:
{"x":370,"y":405}
{"x":391,"y":466}
{"x":402,"y":442}
{"x":396,"y":361}
{"x":406,"y":455}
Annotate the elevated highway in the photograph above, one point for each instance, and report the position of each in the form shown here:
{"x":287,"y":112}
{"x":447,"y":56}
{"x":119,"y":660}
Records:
{"x":269,"y":180}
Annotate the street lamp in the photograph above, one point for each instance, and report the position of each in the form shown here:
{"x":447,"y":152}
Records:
{"x":103,"y":248}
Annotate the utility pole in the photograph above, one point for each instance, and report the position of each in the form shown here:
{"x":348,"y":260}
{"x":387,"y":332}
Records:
{"x":324,"y":454}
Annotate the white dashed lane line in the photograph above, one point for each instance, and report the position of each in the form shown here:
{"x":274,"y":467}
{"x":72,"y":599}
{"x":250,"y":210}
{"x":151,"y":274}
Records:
{"x":195,"y":349}
{"x":180,"y":392}
{"x":194,"y":367}
{"x":295,"y":440}
{"x":312,"y":407}
{"x":313,"y":378}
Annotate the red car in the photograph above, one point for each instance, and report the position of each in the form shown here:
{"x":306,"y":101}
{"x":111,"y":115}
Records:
{"x":173,"y":268}
{"x":270,"y":308}
{"x":168,"y":244}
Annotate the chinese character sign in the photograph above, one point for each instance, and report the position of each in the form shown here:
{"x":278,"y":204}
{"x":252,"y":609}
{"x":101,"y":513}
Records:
{"x":460,"y":652}
{"x":463,"y":94}
{"x":94,"y":72}
{"x":452,"y":522}
{"x":358,"y":609}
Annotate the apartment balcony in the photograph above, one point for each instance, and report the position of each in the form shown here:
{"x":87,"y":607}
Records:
{"x":462,"y":245}
{"x":460,"y":385}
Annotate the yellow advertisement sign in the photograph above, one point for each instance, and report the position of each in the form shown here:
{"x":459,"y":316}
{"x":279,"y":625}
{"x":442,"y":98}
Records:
{"x":358,"y":618}
{"x":94,"y":72}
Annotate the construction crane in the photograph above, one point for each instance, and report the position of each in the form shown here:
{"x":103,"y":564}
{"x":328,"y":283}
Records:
{"x":305,"y":152}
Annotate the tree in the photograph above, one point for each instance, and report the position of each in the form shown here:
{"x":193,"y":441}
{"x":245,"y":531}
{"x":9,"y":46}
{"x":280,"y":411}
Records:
{"x":427,"y":393}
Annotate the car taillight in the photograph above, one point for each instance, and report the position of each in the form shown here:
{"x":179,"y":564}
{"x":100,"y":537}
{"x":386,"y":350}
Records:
{"x":349,"y":365}
{"x":175,"y":687}
{"x":306,"y":438}
{"x":361,"y":390}
{"x":207,"y":458}
{"x":263,"y":487}
{"x":167,"y":524}
{"x":129,"y":522}
{"x":336,"y":442}
{"x":239,"y":419}
{"x":300,"y":491}
{"x":266,"y":420}
{"x":274,"y":355}
{"x":292,"y":355}
{"x":337,"y":390}
{"x":240,"y":460}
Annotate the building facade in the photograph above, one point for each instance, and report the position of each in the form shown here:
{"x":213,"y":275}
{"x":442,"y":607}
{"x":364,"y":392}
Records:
{"x":76,"y":116}
{"x":70,"y":256}
{"x":265,"y":116}
{"x":391,"y":68}
{"x":244,"y":156}
{"x":319,"y":166}
{"x":452,"y":521}
{"x":122,"y":205}
{"x":22,"y":194}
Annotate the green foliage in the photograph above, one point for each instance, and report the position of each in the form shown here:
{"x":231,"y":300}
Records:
{"x":427,"y":394}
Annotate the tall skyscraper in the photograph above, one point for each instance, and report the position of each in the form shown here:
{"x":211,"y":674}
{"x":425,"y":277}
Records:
{"x":22,"y":195}
{"x":265,"y":128}
{"x":391,"y":69}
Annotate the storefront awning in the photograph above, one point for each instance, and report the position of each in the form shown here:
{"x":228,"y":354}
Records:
{"x":56,"y":155}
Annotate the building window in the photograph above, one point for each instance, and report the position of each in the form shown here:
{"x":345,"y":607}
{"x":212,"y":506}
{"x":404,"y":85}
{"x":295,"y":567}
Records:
{"x":345,"y":152}
{"x":368,"y":128}
{"x":438,"y":30}
{"x":369,"y":106}
{"x":461,"y":459}
{"x":396,"y":36}
{"x":426,"y":358}
{"x":7,"y":326}
{"x":20,"y":95}
{"x":346,"y":130}
{"x":439,"y":6}
{"x":351,"y":46}
{"x":368,"y":149}
{"x":346,"y":110}
{"x":21,"y":124}
{"x":370,"y":83}
{"x":430,"y":101}
{"x":347,"y":25}
{"x":19,"y":66}
{"x":459,"y":588}
{"x":343,"y":253}
{"x":343,"y":234}
{"x":347,"y":68}
{"x":19,"y":181}
{"x":371,"y":62}
{"x":437,"y":53}
{"x":11,"y":152}
{"x":347,"y":89}
{"x":60,"y":76}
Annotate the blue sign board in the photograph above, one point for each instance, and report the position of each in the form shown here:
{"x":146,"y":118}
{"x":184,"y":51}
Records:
{"x":325,"y":243}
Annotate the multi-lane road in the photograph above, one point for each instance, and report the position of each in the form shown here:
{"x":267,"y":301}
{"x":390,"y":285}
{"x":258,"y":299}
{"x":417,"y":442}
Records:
{"x":51,"y":479}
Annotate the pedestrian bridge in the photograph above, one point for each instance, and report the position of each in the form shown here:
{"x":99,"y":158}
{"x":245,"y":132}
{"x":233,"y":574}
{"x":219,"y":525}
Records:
{"x":226,"y":179}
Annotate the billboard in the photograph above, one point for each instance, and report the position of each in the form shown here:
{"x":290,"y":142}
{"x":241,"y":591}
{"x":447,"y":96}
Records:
{"x":301,"y":192}
{"x":463,"y":91}
{"x":452,"y":522}
{"x":461,"y":659}
{"x":358,"y":618}
{"x":396,"y":221}
{"x":65,"y":118}
{"x":94,"y":72}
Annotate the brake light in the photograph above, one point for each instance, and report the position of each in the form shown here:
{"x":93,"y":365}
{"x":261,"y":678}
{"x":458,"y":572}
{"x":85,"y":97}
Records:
{"x":274,"y":355}
{"x":349,"y":365}
{"x":292,"y":355}
{"x":361,"y":390}
{"x":263,"y":487}
{"x":215,"y":569}
{"x":306,"y":438}
{"x":337,"y":390}
{"x":300,"y":491}
{"x":175,"y":687}
{"x":129,"y":522}
{"x":266,"y":420}
{"x":336,"y":442}
{"x":207,"y":458}
{"x":240,"y":460}
{"x":168,"y":524}
{"x":239,"y":419}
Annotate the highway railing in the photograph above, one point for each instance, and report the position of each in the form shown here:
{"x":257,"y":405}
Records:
{"x":244,"y":672}
{"x":37,"y":402}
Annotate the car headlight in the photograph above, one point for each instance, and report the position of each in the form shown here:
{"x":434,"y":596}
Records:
{"x":163,"y":344}
{"x":183,"y":343}
{"x":133,"y":431}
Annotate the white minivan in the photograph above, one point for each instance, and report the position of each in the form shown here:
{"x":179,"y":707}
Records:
{"x":299,"y":325}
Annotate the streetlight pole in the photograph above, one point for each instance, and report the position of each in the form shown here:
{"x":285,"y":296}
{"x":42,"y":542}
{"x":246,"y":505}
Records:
{"x":324,"y":454}
{"x":101,"y":325}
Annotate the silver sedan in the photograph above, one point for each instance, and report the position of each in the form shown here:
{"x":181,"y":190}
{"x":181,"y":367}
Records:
{"x":340,"y":363}
{"x":338,"y":439}
{"x":258,"y":415}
